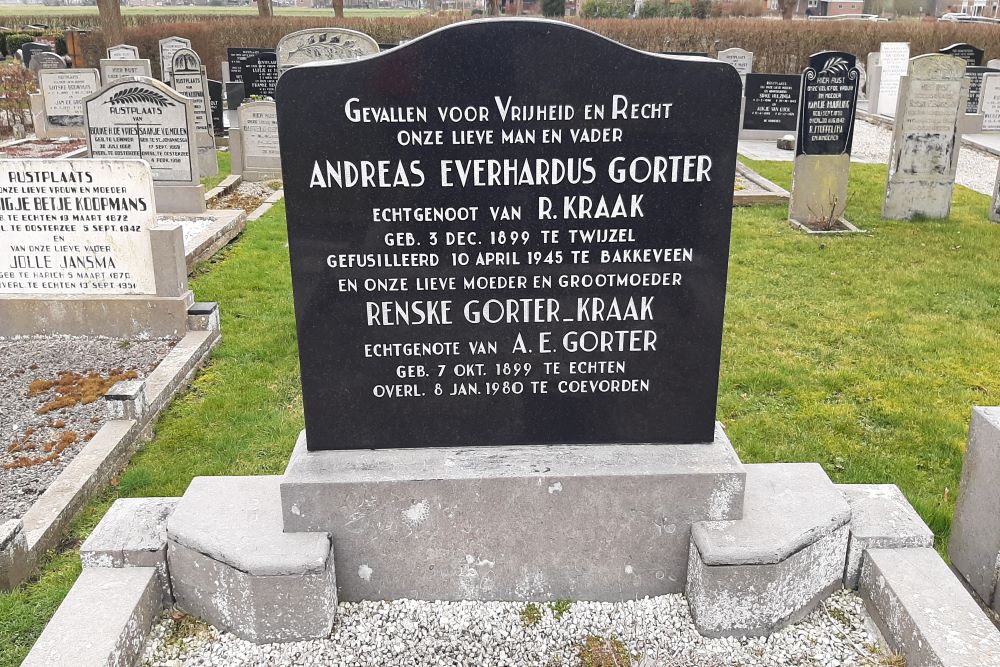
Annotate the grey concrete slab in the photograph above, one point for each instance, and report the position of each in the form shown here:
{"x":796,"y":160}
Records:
{"x":787,"y":507}
{"x":231,"y":565}
{"x":13,"y":554}
{"x":133,"y":533}
{"x":924,"y":612}
{"x":224,"y":226}
{"x":598,"y":522}
{"x":974,"y":546}
{"x":84,"y":315}
{"x":103,"y":622}
{"x":756,"y":600}
{"x":881,"y":517}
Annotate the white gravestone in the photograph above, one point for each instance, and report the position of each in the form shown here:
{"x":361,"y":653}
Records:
{"x":189,"y":79}
{"x":740,"y":59}
{"x":168,"y":47}
{"x":123,"y":52}
{"x":254,"y":144}
{"x":322,"y":44}
{"x":57,"y":109}
{"x":113,"y":69}
{"x":893,"y":60}
{"x":925,"y":142}
{"x":81,"y":251}
{"x":142,"y":118}
{"x":989,"y":103}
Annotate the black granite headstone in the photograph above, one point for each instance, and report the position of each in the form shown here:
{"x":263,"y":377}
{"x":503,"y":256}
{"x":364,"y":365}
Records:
{"x":772,"y":102}
{"x":215,"y":104}
{"x":237,"y":56}
{"x":530,"y":257}
{"x":260,"y":75}
{"x":972,"y":55}
{"x":235,"y":95}
{"x":975,"y":76}
{"x":827,"y":104}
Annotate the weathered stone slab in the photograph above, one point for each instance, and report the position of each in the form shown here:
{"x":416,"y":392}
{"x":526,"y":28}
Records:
{"x":133,"y":533}
{"x":113,"y":69}
{"x":231,"y":564}
{"x":188,"y":78}
{"x":881,"y":518}
{"x":740,"y":59}
{"x":923,"y":611}
{"x":508,"y":523}
{"x":13,"y":554}
{"x":751,"y":576}
{"x":123,"y":52}
{"x":256,"y":154}
{"x":104,"y":620}
{"x":57,"y":109}
{"x":893,"y":58}
{"x":168,"y":47}
{"x":974,"y":547}
{"x":925,"y":142}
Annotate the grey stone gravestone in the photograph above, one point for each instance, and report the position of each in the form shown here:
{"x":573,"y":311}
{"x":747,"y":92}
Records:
{"x":873,"y":81}
{"x":862,"y":78}
{"x":57,"y":109}
{"x":47,"y":60}
{"x":123,"y":52}
{"x":741,"y":59}
{"x":113,"y":69}
{"x":893,"y":59}
{"x":254,"y":144}
{"x":29,"y":49}
{"x":99,"y":263}
{"x":989,"y":103}
{"x":823,"y":140}
{"x":167,"y":48}
{"x":188,"y":78}
{"x":973,"y":56}
{"x":321,"y":44}
{"x":143,"y":118}
{"x":925,"y":142}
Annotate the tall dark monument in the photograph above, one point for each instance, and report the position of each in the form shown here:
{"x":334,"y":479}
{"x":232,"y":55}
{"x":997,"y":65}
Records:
{"x":528,"y":255}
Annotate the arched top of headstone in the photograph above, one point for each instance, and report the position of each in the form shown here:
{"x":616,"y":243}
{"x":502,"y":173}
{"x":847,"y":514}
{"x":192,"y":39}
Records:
{"x":256,"y":104}
{"x":323,"y":44}
{"x":123,"y":52}
{"x":185,"y":60}
{"x":47,"y":60}
{"x":972,"y":55}
{"x":137,"y":91}
{"x":936,"y":66}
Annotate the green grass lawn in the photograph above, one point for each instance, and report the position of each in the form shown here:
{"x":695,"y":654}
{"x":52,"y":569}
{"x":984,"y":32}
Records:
{"x":865,"y":353}
{"x":223,"y":158}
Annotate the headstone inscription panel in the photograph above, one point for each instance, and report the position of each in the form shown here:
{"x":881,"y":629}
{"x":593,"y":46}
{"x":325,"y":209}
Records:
{"x":63,"y":91}
{"x":76,"y":227}
{"x":235,"y":57}
{"x":772,"y":102}
{"x":323,"y":44}
{"x":142,"y":118}
{"x":259,"y":151}
{"x":894,"y":57}
{"x":975,"y":77}
{"x":216,"y":106}
{"x":260,"y":75}
{"x":113,"y":69}
{"x":973,"y":56}
{"x":826,"y":110}
{"x":519,"y":259}
{"x":123,"y":52}
{"x":168,"y":47}
{"x":989,"y":105}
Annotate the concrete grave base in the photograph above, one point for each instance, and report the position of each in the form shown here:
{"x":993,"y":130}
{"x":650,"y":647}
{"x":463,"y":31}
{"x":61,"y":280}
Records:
{"x":223,"y":225}
{"x":13,"y":554}
{"x":231,"y":564}
{"x":594,"y":522}
{"x":179,"y":198}
{"x":124,"y":316}
{"x":45,"y":130}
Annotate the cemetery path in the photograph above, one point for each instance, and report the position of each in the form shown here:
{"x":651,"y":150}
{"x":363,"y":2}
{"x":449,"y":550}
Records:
{"x":977,"y":170}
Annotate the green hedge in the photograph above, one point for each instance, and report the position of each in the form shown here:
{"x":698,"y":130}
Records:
{"x":12,"y":41}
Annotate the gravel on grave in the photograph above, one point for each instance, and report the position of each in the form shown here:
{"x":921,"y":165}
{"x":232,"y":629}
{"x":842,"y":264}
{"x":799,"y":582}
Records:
{"x":977,"y":170}
{"x":42,"y":148}
{"x":247,"y":196}
{"x":657,"y":632}
{"x":34,"y":448}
